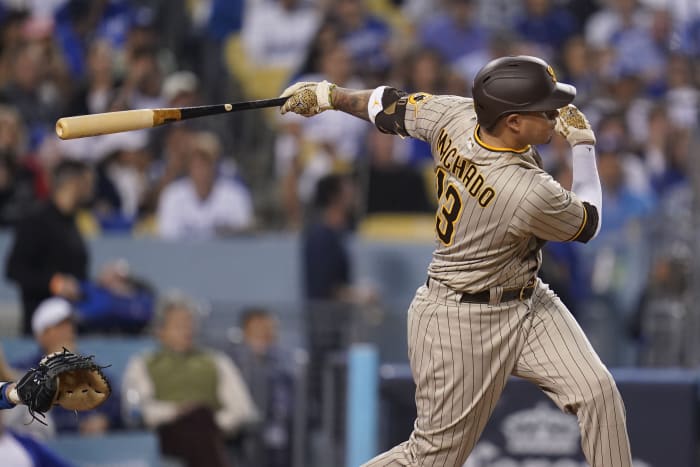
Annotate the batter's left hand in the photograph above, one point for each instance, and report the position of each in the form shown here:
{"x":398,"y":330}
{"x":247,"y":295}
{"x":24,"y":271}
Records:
{"x":308,"y":98}
{"x":573,"y":125}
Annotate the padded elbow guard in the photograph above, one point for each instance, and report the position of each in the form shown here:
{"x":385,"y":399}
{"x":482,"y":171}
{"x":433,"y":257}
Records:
{"x":391,"y":118}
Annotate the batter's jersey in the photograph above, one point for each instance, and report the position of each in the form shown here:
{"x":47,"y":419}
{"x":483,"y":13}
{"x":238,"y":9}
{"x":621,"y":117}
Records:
{"x":495,"y":205}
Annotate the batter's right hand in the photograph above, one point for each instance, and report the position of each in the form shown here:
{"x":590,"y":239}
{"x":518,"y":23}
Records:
{"x":308,"y":98}
{"x":574,"y":126}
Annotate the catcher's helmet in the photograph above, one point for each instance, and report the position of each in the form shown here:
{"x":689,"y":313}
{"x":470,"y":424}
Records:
{"x":517,"y":84}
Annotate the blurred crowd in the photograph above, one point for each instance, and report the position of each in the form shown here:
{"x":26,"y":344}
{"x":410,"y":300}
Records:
{"x":635,"y":63}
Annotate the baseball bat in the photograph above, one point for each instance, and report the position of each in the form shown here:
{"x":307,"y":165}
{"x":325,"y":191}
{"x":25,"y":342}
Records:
{"x":127,"y":120}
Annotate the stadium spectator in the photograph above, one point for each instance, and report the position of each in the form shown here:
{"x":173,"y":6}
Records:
{"x":665,"y":313}
{"x":141,"y":87}
{"x":422,"y":70}
{"x":95,"y":93}
{"x":116,"y":302}
{"x":393,"y":185}
{"x":276,"y":33}
{"x":308,"y":149}
{"x":54,"y":328}
{"x":122,"y":180}
{"x":194,"y":398}
{"x":617,"y":261}
{"x":170,"y":164}
{"x":21,"y":181}
{"x":682,"y":96}
{"x":49,"y":256}
{"x":455,"y":31}
{"x":576,"y":59}
{"x":545,"y":24}
{"x":499,"y":44}
{"x":184,"y":89}
{"x":266,"y":368}
{"x":79,"y":22}
{"x":328,"y":282}
{"x":205,"y":204}
{"x":611,"y":19}
{"x":30,"y":92}
{"x":364,"y":36}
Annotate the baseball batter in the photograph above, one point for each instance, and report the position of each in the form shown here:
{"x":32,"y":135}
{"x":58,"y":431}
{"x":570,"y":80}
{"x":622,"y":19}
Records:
{"x":483,"y":314}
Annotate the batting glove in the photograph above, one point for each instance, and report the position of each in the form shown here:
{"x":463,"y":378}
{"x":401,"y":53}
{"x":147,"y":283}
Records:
{"x":308,"y":98}
{"x":574,"y":126}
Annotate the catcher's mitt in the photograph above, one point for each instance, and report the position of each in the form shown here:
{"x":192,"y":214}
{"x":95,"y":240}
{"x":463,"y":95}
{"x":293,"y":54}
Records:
{"x":73,"y":381}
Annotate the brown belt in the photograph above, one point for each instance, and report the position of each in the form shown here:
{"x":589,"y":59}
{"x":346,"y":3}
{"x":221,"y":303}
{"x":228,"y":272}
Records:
{"x":523,"y":293}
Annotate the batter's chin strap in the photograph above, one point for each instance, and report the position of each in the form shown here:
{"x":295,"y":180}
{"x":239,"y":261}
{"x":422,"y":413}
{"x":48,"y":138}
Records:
{"x":391,"y":119}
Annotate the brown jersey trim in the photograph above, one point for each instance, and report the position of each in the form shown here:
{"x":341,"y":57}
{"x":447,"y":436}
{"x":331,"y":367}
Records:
{"x":493,"y":148}
{"x":589,"y":224}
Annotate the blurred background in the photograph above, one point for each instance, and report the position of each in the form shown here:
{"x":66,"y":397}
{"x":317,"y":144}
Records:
{"x":248,"y":275}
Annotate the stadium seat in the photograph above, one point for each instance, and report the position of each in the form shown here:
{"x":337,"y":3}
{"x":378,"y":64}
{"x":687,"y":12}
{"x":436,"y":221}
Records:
{"x":398,"y":227}
{"x":135,"y":449}
{"x":257,"y":82}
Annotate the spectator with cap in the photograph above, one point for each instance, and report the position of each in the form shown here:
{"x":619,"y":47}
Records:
{"x":48,"y":255}
{"x":54,"y":328}
{"x":205,"y":204}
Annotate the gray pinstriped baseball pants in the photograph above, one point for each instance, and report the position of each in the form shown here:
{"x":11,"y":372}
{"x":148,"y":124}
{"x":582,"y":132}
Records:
{"x":461,"y":356}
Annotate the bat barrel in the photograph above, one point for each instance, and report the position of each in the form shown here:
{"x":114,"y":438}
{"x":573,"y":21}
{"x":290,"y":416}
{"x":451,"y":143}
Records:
{"x":100,"y":124}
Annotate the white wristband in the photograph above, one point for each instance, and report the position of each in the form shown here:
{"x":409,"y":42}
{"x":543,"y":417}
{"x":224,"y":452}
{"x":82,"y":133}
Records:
{"x":13,"y":396}
{"x":374,"y":106}
{"x":323,"y":95}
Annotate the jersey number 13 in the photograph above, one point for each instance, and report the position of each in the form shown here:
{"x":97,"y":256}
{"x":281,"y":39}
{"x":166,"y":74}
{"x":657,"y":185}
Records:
{"x":449,"y":208}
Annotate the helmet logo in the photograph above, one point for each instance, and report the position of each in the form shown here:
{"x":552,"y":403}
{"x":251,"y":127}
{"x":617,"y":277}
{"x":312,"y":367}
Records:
{"x":550,"y":72}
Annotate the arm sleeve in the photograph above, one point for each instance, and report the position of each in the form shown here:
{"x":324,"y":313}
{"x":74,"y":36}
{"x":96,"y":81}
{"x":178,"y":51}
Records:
{"x":586,"y":184}
{"x":550,"y":212}
{"x":237,"y":408}
{"x":137,"y":383}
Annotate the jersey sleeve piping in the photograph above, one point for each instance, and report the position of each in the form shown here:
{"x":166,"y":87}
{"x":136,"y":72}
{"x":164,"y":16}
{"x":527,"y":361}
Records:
{"x":583,"y":225}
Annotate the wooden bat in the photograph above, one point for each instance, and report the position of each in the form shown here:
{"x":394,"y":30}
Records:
{"x":127,"y":120}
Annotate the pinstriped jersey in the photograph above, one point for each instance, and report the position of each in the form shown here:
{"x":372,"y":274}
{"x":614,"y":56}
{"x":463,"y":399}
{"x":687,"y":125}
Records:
{"x":496,"y":206}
